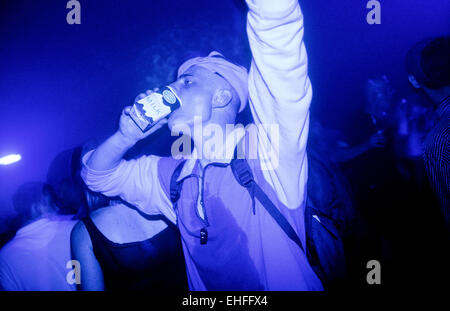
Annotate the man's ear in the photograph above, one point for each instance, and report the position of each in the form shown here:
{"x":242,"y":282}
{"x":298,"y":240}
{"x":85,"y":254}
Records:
{"x":413,"y":81}
{"x":222,"y":98}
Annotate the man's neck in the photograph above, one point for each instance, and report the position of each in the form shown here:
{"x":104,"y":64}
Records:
{"x":216,"y":142}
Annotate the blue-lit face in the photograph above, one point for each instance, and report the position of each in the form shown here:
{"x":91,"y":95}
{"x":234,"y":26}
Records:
{"x":196,"y":89}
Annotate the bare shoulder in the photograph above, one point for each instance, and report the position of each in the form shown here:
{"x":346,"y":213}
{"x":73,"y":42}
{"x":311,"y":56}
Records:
{"x":103,"y":217}
{"x":110,"y":220}
{"x":101,"y":214}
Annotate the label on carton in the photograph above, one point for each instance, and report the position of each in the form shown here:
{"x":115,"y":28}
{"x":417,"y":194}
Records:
{"x":150,"y":109}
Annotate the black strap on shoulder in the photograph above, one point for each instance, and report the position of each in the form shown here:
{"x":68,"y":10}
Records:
{"x":90,"y":226}
{"x":175,"y":186}
{"x":96,"y":236}
{"x":243,"y":174}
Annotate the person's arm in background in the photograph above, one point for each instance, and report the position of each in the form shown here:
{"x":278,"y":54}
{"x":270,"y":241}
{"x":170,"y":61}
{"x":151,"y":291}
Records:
{"x":90,"y":270}
{"x":280,"y":93}
{"x":344,"y":154}
{"x":135,"y":181}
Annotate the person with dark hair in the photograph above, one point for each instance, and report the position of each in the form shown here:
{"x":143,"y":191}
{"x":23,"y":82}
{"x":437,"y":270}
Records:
{"x":428,"y":66}
{"x":120,"y":248}
{"x":36,"y":258}
{"x":8,"y":228}
{"x":67,"y":187}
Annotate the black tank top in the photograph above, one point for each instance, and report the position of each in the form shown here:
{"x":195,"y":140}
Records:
{"x":155,"y":264}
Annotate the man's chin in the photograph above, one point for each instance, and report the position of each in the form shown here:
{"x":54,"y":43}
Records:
{"x":170,"y":124}
{"x":176,"y":126}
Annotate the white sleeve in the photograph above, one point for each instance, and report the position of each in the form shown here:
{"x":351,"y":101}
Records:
{"x":135,"y":181}
{"x":280,"y":94}
{"x":7,"y":280}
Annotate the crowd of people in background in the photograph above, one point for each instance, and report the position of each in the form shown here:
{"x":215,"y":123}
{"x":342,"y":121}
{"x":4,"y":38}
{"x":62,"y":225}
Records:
{"x":388,"y":197}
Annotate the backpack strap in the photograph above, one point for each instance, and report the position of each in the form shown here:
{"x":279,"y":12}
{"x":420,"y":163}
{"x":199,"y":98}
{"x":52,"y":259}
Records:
{"x":243,"y":174}
{"x":175,"y":186}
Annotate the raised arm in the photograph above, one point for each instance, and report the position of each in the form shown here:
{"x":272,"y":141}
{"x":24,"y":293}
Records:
{"x":280,"y":91}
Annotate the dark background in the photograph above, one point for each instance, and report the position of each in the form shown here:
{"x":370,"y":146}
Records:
{"x":62,"y":84}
